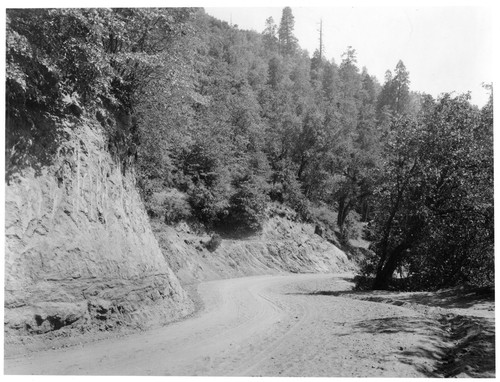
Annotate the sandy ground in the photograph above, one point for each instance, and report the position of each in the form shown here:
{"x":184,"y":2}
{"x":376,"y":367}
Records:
{"x":286,"y":325}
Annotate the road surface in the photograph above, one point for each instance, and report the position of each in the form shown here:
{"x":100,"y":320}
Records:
{"x":262,"y":326}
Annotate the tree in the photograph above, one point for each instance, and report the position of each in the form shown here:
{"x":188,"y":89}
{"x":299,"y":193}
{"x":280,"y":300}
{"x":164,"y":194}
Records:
{"x":330,"y":83}
{"x":317,"y":62}
{"x":401,"y":88}
{"x":350,"y":170}
{"x":287,"y":41}
{"x":350,"y":88}
{"x":55,"y":66}
{"x":246,"y":212}
{"x":434,"y":206}
{"x":269,"y":36}
{"x":395,"y":94}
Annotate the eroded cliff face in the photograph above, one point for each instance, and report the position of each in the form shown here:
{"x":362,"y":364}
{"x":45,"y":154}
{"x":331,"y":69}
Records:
{"x":79,"y":251}
{"x":284,"y":245}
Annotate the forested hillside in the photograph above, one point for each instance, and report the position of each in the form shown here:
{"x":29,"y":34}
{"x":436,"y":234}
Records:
{"x":215,"y":123}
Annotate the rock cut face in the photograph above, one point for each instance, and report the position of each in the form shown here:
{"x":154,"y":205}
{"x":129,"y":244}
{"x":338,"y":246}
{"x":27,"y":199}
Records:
{"x":79,"y":251}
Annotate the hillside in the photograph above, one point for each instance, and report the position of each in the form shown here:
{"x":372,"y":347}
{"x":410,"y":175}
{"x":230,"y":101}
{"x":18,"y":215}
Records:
{"x":283,"y":245}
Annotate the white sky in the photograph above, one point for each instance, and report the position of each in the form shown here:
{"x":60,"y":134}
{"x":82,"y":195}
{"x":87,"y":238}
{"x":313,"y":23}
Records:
{"x":445,"y":49}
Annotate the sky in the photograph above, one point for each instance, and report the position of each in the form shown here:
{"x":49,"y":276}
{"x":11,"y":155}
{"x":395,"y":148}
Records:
{"x":445,"y":49}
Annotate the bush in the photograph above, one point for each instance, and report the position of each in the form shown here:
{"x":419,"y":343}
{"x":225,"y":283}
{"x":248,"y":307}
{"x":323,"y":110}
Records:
{"x":214,"y":243}
{"x":352,"y":229}
{"x":324,"y":215}
{"x":248,"y":204}
{"x":293,"y":196}
{"x":155,"y":204}
{"x":177,"y":208}
{"x":287,"y":189}
{"x":208,"y":204}
{"x":170,"y":205}
{"x":368,"y":261}
{"x":362,"y":283}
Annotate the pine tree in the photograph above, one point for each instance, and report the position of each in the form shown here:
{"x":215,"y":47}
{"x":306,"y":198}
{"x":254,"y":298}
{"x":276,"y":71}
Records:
{"x":401,"y":88}
{"x":287,"y":41}
{"x":269,"y":35}
{"x":395,"y":95}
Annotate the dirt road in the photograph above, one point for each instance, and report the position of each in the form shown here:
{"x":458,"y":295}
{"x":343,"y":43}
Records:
{"x":263,"y":326}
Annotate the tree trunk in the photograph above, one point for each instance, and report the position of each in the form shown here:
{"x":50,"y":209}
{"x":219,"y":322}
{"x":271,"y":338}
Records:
{"x":302,"y":166}
{"x":386,"y":270}
{"x":344,"y":208}
{"x":365,"y":211}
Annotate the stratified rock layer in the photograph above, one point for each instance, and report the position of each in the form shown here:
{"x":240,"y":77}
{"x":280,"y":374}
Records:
{"x":80,"y":252}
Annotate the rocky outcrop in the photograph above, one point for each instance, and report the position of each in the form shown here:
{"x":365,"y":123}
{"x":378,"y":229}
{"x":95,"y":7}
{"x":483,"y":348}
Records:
{"x":284,"y":245}
{"x":80,"y":253}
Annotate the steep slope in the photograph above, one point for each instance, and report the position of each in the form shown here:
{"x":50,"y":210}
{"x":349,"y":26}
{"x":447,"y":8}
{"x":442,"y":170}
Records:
{"x":80,"y":253}
{"x":284,"y":245}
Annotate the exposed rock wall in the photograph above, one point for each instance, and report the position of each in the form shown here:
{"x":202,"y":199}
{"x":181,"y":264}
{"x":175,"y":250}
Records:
{"x":79,"y":249}
{"x":282,"y":246}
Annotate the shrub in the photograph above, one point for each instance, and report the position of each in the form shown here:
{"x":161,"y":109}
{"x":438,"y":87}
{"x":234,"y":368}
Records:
{"x":325,"y":215}
{"x":352,"y":229}
{"x":293,"y":196}
{"x":287,"y":189}
{"x":214,"y":242}
{"x":170,"y":205}
{"x":368,"y":261}
{"x":248,"y":204}
{"x":155,"y":204}
{"x":176,"y":207}
{"x":208,"y":204}
{"x":363,"y":283}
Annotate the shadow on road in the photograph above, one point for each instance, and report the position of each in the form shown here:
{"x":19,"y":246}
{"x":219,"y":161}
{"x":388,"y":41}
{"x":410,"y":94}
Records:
{"x":473,"y":350}
{"x":452,"y":298}
{"x":457,"y":345}
{"x":432,"y":349}
{"x":479,"y":299}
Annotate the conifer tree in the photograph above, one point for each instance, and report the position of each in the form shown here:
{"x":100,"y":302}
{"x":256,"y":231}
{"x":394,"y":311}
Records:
{"x":269,"y":35}
{"x":288,"y":42}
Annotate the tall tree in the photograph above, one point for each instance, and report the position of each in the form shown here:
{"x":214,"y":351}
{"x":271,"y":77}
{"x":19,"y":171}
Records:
{"x":395,"y":95}
{"x":435,"y":204}
{"x":401,"y":88}
{"x":269,"y":35}
{"x":287,"y":40}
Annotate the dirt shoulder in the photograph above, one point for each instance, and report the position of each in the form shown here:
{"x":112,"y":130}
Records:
{"x":465,"y":317}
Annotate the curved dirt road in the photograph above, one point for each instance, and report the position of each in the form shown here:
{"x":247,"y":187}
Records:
{"x":262,"y":326}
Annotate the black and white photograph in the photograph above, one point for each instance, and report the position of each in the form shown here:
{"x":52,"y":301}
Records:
{"x":268,"y":189}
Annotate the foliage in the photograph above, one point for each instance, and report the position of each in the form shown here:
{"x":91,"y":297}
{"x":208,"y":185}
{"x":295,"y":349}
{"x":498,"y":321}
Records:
{"x":287,"y":189}
{"x":288,"y":42}
{"x":395,"y":95}
{"x":176,"y":208}
{"x":232,"y":119}
{"x":62,"y":62}
{"x":54,"y":66}
{"x":435,"y":204}
{"x":247,"y":205}
{"x":325,"y":215}
{"x":170,"y":205}
{"x":352,"y":229}
{"x":214,"y":242}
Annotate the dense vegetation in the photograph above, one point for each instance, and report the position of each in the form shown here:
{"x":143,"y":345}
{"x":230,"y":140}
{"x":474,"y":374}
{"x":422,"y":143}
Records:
{"x":216,"y":122}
